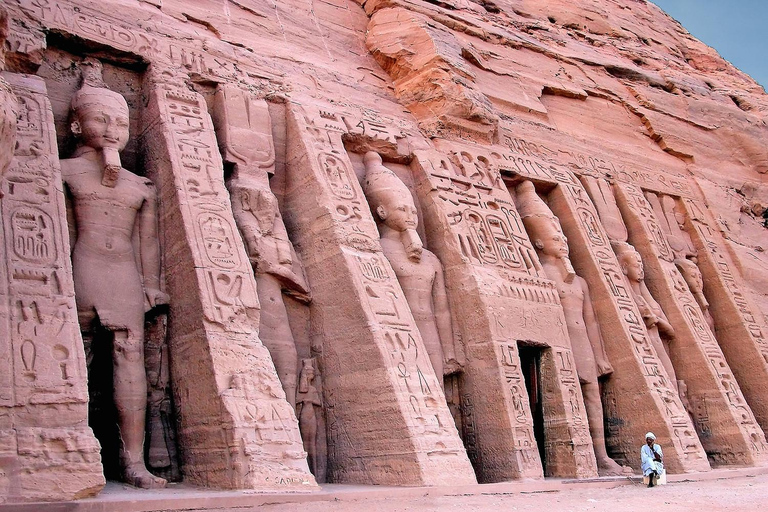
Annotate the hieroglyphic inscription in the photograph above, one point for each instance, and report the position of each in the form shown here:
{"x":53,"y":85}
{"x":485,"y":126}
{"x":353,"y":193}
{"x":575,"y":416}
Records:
{"x":231,"y":300}
{"x":480,"y":211}
{"x":414,"y":377}
{"x":325,"y":128}
{"x":709,"y":239}
{"x":43,"y":333}
{"x":98,"y":26}
{"x":541,"y":157}
{"x":526,"y":454}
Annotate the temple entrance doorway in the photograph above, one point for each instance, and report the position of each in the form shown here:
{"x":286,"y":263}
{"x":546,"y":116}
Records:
{"x":530,"y":365}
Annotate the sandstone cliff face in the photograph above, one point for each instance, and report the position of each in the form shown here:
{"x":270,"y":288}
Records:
{"x":630,"y":130}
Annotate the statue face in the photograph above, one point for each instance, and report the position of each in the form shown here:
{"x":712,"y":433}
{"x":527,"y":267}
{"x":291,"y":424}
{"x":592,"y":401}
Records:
{"x":398,"y":211}
{"x":555,"y":245}
{"x":102,"y":126}
{"x":692,"y":276}
{"x":632,"y":265}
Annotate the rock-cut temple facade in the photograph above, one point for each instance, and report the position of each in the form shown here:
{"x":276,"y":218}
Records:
{"x":248,"y":244}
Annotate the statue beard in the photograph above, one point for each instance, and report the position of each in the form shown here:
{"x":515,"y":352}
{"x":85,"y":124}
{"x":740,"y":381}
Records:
{"x":112,"y":165}
{"x":412,"y":244}
{"x":568,"y":272}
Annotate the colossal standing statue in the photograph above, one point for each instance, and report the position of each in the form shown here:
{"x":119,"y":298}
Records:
{"x":655,"y":320}
{"x":275,"y":266}
{"x":419,"y":271}
{"x":583,"y":331}
{"x":115,"y":255}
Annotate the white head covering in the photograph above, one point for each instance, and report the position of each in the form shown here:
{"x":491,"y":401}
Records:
{"x":650,"y":434}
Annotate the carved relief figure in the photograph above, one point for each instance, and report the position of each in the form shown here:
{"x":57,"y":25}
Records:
{"x":309,"y":406}
{"x":419,"y":271}
{"x":655,"y":320}
{"x":115,"y":254}
{"x":586,"y":340}
{"x":276,"y":268}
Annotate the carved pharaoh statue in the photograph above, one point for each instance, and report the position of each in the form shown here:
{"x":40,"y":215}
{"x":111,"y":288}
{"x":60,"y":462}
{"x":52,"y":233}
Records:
{"x":655,"y":320}
{"x":115,"y":254}
{"x":275,"y":266}
{"x":583,"y":331}
{"x":419,"y":271}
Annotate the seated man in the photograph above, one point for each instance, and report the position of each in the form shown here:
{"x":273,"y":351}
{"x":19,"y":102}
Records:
{"x":652,"y":459}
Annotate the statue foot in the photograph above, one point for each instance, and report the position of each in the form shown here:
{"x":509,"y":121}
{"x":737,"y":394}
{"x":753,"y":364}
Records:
{"x":137,"y":475}
{"x":609,"y":467}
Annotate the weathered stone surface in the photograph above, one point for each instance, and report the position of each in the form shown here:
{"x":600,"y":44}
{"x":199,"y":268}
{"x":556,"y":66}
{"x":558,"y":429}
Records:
{"x":460,"y":339}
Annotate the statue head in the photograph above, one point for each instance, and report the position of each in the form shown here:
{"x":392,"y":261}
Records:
{"x":391,"y":203}
{"x":542,"y":225}
{"x":691,"y":274}
{"x":99,"y":116}
{"x":256,"y":197}
{"x":630,"y":261}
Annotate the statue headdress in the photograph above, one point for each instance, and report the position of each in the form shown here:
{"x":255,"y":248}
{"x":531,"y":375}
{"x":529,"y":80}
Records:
{"x":93,"y":90}
{"x":380,"y":180}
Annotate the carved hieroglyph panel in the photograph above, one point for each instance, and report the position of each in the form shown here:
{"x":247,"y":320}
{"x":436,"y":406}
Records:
{"x":47,"y":352}
{"x":228,"y":378}
{"x":42,"y":362}
{"x":482,"y":215}
{"x":231,"y":303}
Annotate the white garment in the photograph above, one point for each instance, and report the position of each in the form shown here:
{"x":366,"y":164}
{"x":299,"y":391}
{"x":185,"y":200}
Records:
{"x":648,"y":464}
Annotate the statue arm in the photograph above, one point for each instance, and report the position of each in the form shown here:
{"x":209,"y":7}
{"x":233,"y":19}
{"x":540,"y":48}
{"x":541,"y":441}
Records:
{"x":248,"y":226}
{"x":593,"y":331}
{"x":150,"y":248}
{"x":662,"y":323}
{"x":443,"y":314}
{"x":71,"y":219}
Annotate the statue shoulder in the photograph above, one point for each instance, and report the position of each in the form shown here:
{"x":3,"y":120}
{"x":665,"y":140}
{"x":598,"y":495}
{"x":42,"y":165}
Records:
{"x":430,"y":257}
{"x":140,"y":181}
{"x":72,"y":166}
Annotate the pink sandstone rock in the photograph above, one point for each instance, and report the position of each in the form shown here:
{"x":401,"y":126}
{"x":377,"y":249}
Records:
{"x":401,"y":242}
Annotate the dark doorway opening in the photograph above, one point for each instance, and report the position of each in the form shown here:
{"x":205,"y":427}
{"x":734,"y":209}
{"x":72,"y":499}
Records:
{"x":102,"y":413}
{"x":530,"y":364}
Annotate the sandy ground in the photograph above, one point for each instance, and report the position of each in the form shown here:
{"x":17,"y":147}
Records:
{"x":743,"y":494}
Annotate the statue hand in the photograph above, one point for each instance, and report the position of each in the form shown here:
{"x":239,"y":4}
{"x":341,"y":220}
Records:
{"x":650,"y":320}
{"x":156,"y":297}
{"x":604,"y":368}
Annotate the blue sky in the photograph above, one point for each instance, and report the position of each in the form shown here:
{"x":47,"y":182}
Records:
{"x":735,"y":28}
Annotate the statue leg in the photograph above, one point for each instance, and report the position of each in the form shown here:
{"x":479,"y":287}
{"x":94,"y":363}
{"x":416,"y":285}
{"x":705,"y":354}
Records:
{"x":130,"y":383}
{"x":308,"y":424}
{"x":606,"y":466}
{"x":431,"y":338}
{"x":275,"y":333}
